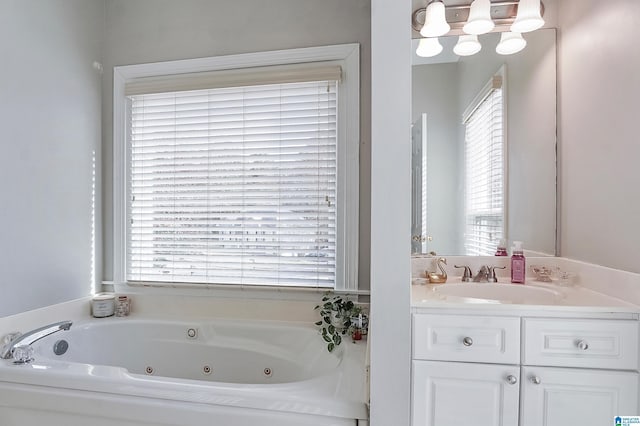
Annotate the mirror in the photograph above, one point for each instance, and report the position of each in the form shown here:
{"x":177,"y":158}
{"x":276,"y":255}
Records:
{"x":519,"y":203}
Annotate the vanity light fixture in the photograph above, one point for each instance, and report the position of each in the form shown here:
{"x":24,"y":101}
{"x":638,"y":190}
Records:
{"x":478,"y":17}
{"x":528,"y":17}
{"x":435,"y":22}
{"x":467,"y":45}
{"x":429,"y":47}
{"x":510,"y":43}
{"x":479,"y":21}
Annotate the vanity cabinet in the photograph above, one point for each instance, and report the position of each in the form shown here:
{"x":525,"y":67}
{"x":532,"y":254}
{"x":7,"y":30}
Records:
{"x":481,"y":386}
{"x":528,"y":371}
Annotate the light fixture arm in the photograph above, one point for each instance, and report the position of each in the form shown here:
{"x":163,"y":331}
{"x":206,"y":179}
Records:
{"x":503,"y":13}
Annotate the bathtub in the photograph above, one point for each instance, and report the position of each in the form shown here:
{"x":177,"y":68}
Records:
{"x":127,"y":371}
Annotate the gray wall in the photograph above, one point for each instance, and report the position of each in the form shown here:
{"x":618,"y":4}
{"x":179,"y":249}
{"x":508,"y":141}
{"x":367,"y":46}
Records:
{"x":143,"y":31}
{"x":50,"y":109}
{"x":435,"y":91}
{"x":599,"y":88}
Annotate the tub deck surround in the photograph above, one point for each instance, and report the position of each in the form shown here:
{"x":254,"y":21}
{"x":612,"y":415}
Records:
{"x":72,"y":310}
{"x":183,"y":304}
{"x":241,"y":307}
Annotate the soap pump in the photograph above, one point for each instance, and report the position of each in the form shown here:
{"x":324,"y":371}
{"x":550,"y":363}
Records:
{"x":518,"y":264}
{"x":502,"y":248}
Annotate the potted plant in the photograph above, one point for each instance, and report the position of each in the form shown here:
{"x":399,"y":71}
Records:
{"x":336,"y":319}
{"x":359,"y":323}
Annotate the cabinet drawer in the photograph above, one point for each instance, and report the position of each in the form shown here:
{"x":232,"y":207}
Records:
{"x":466,"y":338}
{"x":581,"y":343}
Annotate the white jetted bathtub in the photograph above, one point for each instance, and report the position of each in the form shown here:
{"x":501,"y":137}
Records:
{"x":125,"y":371}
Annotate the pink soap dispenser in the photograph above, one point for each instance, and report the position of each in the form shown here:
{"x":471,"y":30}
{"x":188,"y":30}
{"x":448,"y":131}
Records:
{"x":518,"y":264}
{"x":502,"y":248}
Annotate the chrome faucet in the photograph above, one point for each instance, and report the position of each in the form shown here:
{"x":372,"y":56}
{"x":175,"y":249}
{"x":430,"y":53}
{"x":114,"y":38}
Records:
{"x":491,"y":273}
{"x":482,"y":276}
{"x":487,"y":274}
{"x":16,"y":340}
{"x":466,"y":274}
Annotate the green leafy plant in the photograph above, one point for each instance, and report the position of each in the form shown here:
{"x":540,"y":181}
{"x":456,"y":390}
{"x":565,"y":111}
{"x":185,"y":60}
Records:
{"x":335,"y":319}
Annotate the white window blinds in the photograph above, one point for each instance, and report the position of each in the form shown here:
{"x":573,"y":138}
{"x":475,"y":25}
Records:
{"x":234,"y":185}
{"x":484,"y":173}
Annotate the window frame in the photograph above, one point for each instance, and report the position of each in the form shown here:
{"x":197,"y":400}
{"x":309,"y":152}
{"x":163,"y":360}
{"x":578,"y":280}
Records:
{"x":348,"y":141}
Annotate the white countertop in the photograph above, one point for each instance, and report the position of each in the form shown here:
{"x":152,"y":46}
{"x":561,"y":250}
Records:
{"x":593,"y":290}
{"x":572,"y":301}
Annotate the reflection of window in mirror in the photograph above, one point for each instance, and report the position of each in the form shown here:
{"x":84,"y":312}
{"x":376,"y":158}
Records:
{"x":419,"y":238}
{"x":484,"y":169}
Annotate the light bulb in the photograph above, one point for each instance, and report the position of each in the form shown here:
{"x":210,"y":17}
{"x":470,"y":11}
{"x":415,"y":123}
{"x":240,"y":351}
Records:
{"x":479,"y":21}
{"x":528,"y":17}
{"x":510,"y":43}
{"x":467,"y":45}
{"x":435,"y":21}
{"x":428,"y":47}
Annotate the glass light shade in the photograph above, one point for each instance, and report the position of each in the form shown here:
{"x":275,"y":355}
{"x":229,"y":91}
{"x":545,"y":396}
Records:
{"x":435,"y":22}
{"x":479,"y":21}
{"x":428,"y":47}
{"x":510,"y":43}
{"x":528,"y":17}
{"x":467,"y":45}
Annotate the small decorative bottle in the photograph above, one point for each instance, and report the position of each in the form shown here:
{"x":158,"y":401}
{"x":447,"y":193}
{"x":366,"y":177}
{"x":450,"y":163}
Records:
{"x":518,"y":264}
{"x":502,"y":248}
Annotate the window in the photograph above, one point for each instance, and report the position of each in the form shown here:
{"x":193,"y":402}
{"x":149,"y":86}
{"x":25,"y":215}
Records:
{"x":485,"y":170}
{"x":240,"y":176}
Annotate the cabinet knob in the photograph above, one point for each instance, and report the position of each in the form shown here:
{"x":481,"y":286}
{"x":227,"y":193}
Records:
{"x":511,"y":379}
{"x":467,"y":341}
{"x":583,"y":345}
{"x":536,"y":380}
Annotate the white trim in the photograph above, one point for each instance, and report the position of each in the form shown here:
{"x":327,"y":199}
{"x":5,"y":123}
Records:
{"x":502,"y":72}
{"x":348,"y":169}
{"x":120,"y":160}
{"x":254,"y":76}
{"x":345,"y":55}
{"x":245,"y":60}
{"x":496,"y":82}
{"x":390,"y":337}
{"x":231,"y":291}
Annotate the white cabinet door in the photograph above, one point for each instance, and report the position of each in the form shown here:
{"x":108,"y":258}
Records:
{"x":572,"y":396}
{"x":452,"y":393}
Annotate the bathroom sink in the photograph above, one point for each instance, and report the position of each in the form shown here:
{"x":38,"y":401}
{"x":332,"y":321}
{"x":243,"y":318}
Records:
{"x":498,"y":293}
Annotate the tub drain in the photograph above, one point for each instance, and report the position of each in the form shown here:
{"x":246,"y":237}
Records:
{"x":207,"y":370}
{"x":149,"y":370}
{"x":267,"y":372}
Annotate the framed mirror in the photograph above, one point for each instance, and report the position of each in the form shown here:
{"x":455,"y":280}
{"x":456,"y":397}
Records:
{"x":466,"y":197}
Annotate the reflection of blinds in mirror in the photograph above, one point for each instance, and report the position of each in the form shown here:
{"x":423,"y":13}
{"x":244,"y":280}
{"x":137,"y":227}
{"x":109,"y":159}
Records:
{"x":484,"y":176}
